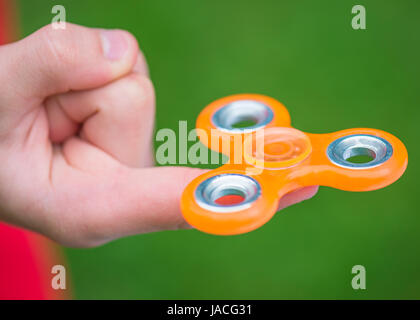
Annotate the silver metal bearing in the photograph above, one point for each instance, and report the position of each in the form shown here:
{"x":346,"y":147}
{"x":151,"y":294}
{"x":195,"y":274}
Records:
{"x":225,"y":184}
{"x":344,"y":148}
{"x":242,"y":110}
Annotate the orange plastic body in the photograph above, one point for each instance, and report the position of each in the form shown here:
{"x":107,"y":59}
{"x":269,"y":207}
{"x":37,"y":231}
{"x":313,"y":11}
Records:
{"x":309,"y":166}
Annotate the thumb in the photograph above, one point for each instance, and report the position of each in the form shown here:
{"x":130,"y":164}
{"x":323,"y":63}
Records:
{"x":148,"y":200}
{"x":53,"y":61}
{"x":152,"y":199}
{"x":134,"y":201}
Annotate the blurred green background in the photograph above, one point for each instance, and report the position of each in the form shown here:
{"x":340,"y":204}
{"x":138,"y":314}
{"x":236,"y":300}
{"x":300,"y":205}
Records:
{"x":331,"y":77}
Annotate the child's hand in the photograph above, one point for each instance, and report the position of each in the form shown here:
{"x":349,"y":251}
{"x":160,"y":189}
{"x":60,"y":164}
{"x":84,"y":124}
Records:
{"x":76,"y":130}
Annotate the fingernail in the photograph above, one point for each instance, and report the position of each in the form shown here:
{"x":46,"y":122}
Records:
{"x":114,"y":44}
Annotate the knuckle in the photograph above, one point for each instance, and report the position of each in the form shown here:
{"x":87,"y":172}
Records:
{"x":137,"y":87}
{"x":135,"y":95}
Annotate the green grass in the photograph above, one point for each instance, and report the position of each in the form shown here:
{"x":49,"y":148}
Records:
{"x":305,"y":54}
{"x":360,"y":159}
{"x":244,"y":124}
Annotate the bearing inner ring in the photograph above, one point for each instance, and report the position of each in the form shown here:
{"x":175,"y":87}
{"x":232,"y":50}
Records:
{"x":222,"y":185}
{"x":242,"y":110}
{"x":340,"y":150}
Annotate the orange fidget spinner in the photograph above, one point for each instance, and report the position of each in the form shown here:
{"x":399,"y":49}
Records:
{"x":268,"y":159}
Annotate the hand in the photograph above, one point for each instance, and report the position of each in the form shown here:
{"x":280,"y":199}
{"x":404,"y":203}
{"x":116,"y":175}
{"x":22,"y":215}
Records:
{"x":76,"y":128}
